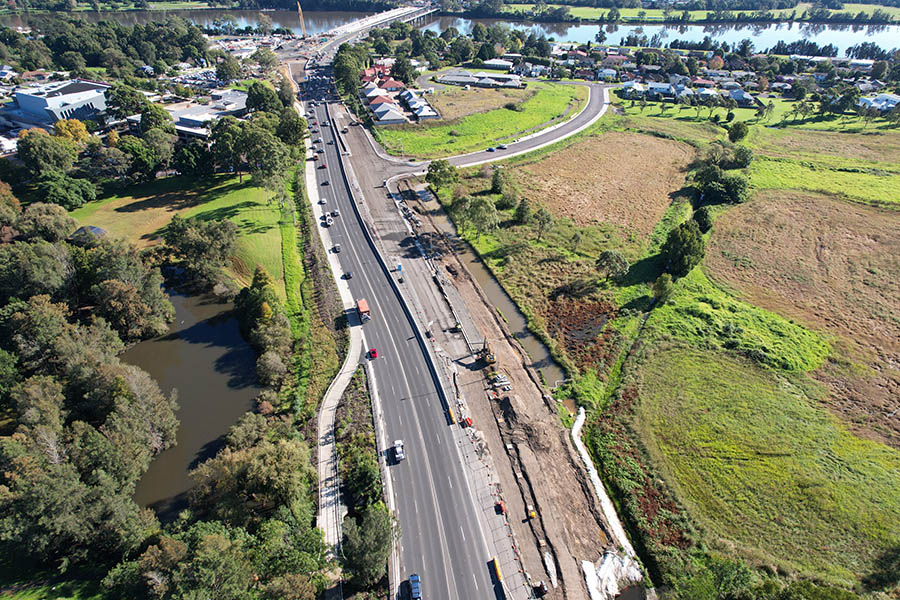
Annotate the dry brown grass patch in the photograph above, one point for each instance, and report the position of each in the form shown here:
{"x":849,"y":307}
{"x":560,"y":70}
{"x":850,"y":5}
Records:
{"x":879,"y":147}
{"x":453,"y":102}
{"x":832,"y":265}
{"x":623,"y":179}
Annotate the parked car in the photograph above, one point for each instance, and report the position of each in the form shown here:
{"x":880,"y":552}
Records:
{"x":373,"y":353}
{"x":415,"y":587}
{"x":337,"y":247}
{"x":325,"y":182}
{"x":502,"y":147}
{"x":348,"y":275}
{"x":398,"y":450}
{"x":491,"y":149}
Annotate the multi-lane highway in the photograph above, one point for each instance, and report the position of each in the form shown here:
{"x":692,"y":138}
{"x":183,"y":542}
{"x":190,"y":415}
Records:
{"x":442,"y":538}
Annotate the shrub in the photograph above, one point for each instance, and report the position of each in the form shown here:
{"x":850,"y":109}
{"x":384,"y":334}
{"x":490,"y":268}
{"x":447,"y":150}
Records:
{"x":738,"y":131}
{"x":703,"y":218}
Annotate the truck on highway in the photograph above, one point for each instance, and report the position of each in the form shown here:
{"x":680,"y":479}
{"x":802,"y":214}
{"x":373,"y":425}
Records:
{"x":362,"y":307}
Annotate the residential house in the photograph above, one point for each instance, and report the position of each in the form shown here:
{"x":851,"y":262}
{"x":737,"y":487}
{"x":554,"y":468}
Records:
{"x":375,"y":92}
{"x":742,"y":97}
{"x":707,"y":93}
{"x":606,"y":74}
{"x":682,"y":91}
{"x":380,"y":100}
{"x":730,"y":85}
{"x":392,"y":85}
{"x":588,"y":74}
{"x":390,"y":117}
{"x":613,"y":60}
{"x":676,"y":79}
{"x":633,"y":89}
{"x":702,"y":83}
{"x":882,"y":102}
{"x":659,"y":90}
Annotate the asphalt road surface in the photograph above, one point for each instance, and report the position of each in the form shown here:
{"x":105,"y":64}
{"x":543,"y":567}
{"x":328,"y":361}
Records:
{"x":441,"y":536}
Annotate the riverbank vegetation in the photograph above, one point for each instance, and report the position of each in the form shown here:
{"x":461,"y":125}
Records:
{"x":745,"y":348}
{"x":802,"y":12}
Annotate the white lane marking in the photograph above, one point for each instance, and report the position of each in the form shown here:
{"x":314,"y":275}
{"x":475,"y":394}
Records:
{"x":473,"y":577}
{"x":463,"y":533}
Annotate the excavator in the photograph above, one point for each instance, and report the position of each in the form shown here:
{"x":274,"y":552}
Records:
{"x":487,"y":354}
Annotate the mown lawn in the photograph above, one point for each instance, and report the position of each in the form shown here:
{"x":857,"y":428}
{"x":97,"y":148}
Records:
{"x":770,"y":476}
{"x":140,"y":213}
{"x":478,"y":131}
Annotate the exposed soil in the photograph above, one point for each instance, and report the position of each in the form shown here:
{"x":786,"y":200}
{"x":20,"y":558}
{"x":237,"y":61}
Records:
{"x":455,"y":102}
{"x":832,"y":265}
{"x":620,"y":178}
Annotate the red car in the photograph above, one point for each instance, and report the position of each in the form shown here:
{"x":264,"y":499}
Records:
{"x":323,"y":166}
{"x":373,"y":353}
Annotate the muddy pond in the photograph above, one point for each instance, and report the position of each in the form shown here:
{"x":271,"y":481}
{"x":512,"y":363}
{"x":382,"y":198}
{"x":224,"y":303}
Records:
{"x":205,"y":359}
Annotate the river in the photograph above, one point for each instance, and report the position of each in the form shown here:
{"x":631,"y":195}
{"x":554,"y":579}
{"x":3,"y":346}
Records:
{"x":213,"y":369}
{"x":763,"y":35}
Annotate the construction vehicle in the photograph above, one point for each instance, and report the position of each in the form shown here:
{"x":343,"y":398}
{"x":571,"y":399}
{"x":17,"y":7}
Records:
{"x":487,"y":354}
{"x":362,"y":307}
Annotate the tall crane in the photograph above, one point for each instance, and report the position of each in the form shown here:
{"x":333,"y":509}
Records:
{"x":302,"y":22}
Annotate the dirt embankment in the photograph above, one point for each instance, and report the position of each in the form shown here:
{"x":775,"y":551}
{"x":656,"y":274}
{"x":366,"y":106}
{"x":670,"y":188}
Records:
{"x":832,"y":265}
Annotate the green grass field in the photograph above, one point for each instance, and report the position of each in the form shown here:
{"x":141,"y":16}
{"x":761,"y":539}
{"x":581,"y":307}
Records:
{"x":478,"y":131}
{"x":590,"y":13}
{"x":140,"y":213}
{"x":780,"y":116}
{"x":770,"y":476}
{"x":703,"y":314}
{"x":869,"y":187}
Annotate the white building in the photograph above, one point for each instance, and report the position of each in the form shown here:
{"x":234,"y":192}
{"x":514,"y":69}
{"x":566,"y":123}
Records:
{"x":45,"y":104}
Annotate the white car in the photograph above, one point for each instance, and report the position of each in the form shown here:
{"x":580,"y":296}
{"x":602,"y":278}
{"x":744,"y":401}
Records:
{"x":398,"y":450}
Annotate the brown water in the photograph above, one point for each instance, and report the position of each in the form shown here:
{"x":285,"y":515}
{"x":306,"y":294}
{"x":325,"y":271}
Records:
{"x":213,"y":369}
{"x":763,"y":35}
{"x":316,"y":22}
